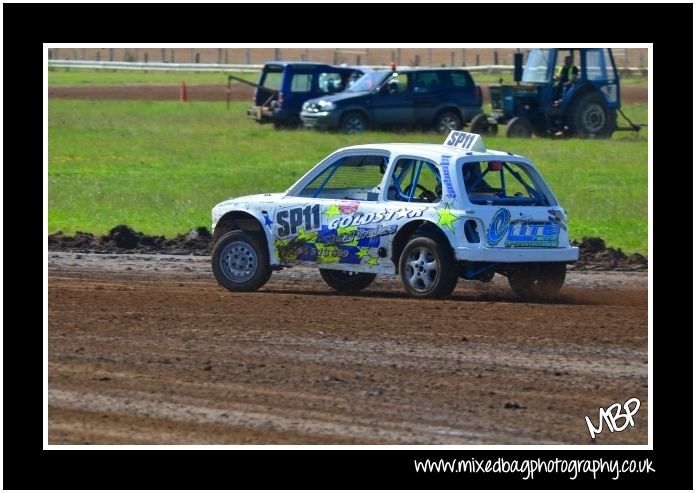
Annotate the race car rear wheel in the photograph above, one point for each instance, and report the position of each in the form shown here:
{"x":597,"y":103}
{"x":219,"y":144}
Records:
{"x":346,"y":282}
{"x":427,"y":268}
{"x":240,"y":262}
{"x":537,"y":281}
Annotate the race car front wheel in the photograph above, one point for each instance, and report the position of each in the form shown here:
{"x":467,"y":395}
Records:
{"x":346,"y":282}
{"x":427,"y":268}
{"x":240,"y":262}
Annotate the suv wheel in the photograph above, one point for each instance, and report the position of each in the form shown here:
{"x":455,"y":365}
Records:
{"x":353,"y":123}
{"x":447,"y":121}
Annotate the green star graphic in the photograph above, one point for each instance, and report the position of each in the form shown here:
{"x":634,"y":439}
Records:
{"x":332,"y":211}
{"x":363,"y":252}
{"x":305,"y":237}
{"x":372,"y":262}
{"x":446,"y":217}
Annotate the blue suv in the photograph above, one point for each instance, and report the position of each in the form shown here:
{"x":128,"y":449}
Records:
{"x":284,"y":86}
{"x":440,"y":98}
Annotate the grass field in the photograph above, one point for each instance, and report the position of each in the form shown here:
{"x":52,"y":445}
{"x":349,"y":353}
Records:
{"x":160,"y":167}
{"x":60,"y":76}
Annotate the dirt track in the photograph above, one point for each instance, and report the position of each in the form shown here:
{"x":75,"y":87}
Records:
{"x":218,"y":92}
{"x":148,"y":349}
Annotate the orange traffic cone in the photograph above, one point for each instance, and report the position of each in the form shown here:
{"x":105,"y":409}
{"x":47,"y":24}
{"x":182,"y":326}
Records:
{"x":183,"y":94}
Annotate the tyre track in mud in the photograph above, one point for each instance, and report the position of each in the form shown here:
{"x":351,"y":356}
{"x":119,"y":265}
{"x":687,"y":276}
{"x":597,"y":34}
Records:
{"x":148,"y":349}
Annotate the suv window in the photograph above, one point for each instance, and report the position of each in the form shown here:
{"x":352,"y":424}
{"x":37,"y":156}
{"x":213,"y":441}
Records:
{"x":415,"y":180}
{"x":368,"y":82}
{"x":350,"y":177}
{"x":398,"y":84}
{"x":330,"y":82}
{"x":460,"y":79}
{"x":426,"y":82}
{"x":301,"y":83}
{"x":272,"y":78}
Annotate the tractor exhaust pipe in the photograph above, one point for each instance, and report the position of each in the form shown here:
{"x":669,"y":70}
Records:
{"x":517,"y":57}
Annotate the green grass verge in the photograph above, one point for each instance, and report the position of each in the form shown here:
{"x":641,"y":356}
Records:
{"x":160,"y":167}
{"x":61,"y":76}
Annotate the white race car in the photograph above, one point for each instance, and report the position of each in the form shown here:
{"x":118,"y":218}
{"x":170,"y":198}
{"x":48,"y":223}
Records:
{"x":429,"y":213}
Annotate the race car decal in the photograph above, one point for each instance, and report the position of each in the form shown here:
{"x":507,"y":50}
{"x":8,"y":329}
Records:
{"x":465,"y":140}
{"x":362,"y":219}
{"x":447,"y":178}
{"x":289,"y":220}
{"x":360,"y":234}
{"x":557,"y":217}
{"x":532,"y":234}
{"x":498,"y":226}
{"x":266,"y":220}
{"x":331,"y":212}
{"x":521,"y":233}
{"x":446,"y":218}
{"x":343,"y":245}
{"x":348,"y":206}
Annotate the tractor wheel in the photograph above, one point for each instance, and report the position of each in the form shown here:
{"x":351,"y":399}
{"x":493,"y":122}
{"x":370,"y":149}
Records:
{"x":519,"y":127}
{"x":542,"y":131}
{"x":590,"y":117}
{"x":480,"y":125}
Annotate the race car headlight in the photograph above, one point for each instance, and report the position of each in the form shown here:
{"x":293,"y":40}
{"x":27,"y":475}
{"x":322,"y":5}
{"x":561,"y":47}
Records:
{"x":326,"y":106}
{"x":305,"y":106}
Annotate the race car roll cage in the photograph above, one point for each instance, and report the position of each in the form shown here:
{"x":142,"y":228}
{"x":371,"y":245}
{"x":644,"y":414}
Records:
{"x":497,"y":196}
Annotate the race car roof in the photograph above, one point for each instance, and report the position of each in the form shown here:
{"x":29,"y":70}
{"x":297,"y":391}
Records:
{"x":428,"y":151}
{"x":456,"y":144}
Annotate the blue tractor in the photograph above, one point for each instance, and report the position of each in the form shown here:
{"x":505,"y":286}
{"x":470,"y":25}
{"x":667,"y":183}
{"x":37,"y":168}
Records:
{"x":541,"y":104}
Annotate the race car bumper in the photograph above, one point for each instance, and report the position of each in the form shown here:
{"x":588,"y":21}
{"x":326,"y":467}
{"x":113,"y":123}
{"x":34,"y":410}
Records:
{"x":514,"y":255}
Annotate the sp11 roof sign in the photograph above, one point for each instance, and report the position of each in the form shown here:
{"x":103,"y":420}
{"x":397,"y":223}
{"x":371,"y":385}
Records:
{"x":465,"y":140}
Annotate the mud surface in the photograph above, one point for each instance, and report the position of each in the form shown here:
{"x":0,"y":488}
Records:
{"x":218,"y":92}
{"x":149,"y":349}
{"x":594,"y":255}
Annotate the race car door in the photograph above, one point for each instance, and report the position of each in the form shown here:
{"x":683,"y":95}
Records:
{"x":335,"y":220}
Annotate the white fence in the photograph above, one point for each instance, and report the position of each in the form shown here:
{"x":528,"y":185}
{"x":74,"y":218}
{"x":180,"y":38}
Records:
{"x":169,"y":67}
{"x":220,"y":67}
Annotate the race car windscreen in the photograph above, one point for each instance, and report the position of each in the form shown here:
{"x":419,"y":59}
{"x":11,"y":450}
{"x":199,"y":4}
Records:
{"x":502,"y":183}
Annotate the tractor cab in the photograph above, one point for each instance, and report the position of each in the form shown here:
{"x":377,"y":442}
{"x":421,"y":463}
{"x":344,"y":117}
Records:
{"x":546,"y":100}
